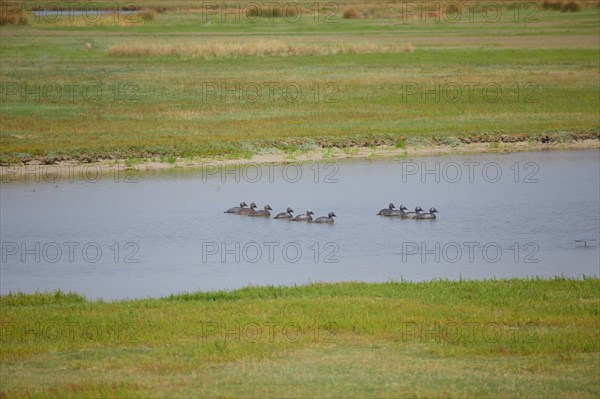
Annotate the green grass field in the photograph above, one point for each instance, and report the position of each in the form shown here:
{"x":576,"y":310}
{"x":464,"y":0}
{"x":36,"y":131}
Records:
{"x":440,"y":339}
{"x":186,"y":84}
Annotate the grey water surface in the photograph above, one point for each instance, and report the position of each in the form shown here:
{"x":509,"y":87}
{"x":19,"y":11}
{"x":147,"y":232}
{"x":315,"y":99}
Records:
{"x":500,"y":215}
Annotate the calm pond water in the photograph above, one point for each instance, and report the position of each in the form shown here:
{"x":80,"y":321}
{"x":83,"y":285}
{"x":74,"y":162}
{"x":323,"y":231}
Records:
{"x":499,"y":216}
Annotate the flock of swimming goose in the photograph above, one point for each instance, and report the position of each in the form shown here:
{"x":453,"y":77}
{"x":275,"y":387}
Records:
{"x":250,"y":211}
{"x":390,"y":211}
{"x":401,"y":212}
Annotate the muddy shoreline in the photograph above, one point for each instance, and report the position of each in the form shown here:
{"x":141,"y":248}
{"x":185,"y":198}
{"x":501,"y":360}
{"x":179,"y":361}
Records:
{"x":123,"y":170}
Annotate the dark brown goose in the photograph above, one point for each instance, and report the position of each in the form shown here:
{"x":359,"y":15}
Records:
{"x":248,"y":211}
{"x":237,"y":209}
{"x":326,"y":219}
{"x":262,"y":213}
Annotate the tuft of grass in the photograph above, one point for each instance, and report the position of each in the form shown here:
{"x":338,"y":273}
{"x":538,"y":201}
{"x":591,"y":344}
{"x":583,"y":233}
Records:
{"x":452,"y":141}
{"x":51,"y":158}
{"x":132,"y":161}
{"x":270,"y":11}
{"x":408,"y":48}
{"x":417,"y":141}
{"x":327,"y":152}
{"x":306,"y":145}
{"x":563,"y":137}
{"x":12,"y":14}
{"x":57,"y":297}
{"x":401,"y":143}
{"x":350,"y":13}
{"x":159,"y":9}
{"x":551,"y":5}
{"x":570,"y":6}
{"x":147,"y":15}
{"x":454,"y":8}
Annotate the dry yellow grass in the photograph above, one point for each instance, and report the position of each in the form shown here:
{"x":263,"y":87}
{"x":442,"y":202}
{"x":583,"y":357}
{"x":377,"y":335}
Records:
{"x":568,"y":6}
{"x":404,"y":10}
{"x":350,"y":13}
{"x":436,"y":10}
{"x":408,"y":48}
{"x":91,"y":21}
{"x":257,"y":48}
{"x":12,"y":14}
{"x":270,"y":11}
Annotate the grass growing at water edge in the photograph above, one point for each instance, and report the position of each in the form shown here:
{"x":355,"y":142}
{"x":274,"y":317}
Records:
{"x":495,"y":338}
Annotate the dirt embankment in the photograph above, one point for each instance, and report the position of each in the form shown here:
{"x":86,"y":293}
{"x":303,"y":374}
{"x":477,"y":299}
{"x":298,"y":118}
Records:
{"x":73,"y":170}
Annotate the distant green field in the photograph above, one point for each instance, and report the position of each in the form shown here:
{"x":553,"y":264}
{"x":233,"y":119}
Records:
{"x":183,"y":83}
{"x":439,"y":339}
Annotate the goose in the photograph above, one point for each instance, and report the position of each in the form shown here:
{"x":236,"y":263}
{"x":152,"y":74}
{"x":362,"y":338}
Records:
{"x":248,"y":211}
{"x":263,"y":212}
{"x":387,"y":211}
{"x":285,"y":215}
{"x":430,"y":215}
{"x":400,"y":212}
{"x":413,"y":215}
{"x":236,"y":209}
{"x":326,"y":219}
{"x":304,"y":218}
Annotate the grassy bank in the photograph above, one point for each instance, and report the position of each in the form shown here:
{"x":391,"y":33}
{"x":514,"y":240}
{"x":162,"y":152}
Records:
{"x":185,"y":84}
{"x":508,"y":338}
